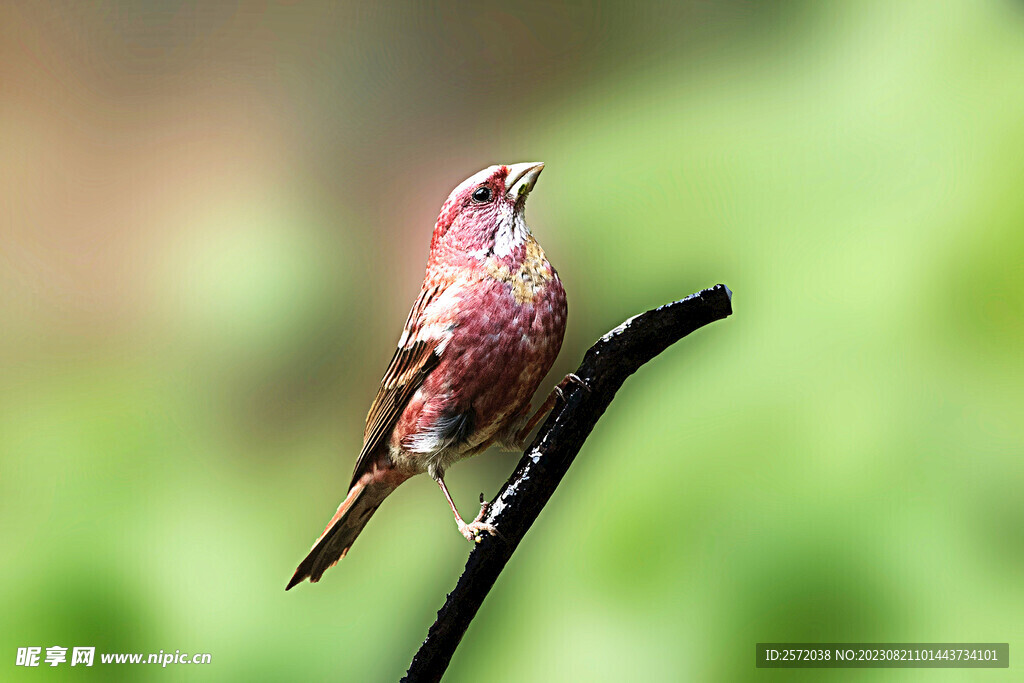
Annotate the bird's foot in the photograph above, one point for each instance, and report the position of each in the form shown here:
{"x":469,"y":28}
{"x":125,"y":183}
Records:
{"x":474,"y":530}
{"x":574,"y":378}
{"x":571,"y":378}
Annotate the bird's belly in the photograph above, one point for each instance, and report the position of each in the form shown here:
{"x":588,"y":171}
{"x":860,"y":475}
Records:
{"x":492,"y":365}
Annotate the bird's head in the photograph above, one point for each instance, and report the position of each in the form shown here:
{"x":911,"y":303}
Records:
{"x":483,"y":216}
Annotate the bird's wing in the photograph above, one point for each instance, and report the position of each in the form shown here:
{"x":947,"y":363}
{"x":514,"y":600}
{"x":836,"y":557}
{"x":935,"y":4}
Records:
{"x":419,"y":352}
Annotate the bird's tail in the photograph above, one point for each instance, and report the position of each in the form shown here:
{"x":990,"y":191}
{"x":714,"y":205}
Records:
{"x":352,"y":515}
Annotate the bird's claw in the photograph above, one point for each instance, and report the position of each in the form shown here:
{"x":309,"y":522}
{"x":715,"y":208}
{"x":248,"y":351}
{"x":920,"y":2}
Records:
{"x":474,"y":529}
{"x":573,"y":379}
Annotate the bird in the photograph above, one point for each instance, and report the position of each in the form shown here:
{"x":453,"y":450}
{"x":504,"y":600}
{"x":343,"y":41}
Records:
{"x":482,"y":334}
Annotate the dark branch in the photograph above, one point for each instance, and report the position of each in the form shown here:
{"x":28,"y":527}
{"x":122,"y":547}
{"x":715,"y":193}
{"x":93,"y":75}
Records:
{"x":605,"y":367}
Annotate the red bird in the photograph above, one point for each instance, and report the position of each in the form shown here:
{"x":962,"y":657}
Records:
{"x":484,"y":331}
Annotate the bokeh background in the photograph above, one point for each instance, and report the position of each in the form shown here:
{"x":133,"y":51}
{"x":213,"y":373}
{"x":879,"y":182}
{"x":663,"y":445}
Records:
{"x":214,"y":219}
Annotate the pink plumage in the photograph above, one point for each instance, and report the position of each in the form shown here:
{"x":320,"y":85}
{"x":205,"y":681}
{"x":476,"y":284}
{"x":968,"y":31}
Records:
{"x":482,"y":334}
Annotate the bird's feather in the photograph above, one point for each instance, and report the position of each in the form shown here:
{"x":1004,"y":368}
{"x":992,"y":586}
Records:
{"x":417,"y":355}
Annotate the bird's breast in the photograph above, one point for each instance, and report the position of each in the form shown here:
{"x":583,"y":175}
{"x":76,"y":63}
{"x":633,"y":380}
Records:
{"x":505,"y":332}
{"x":525,"y":278}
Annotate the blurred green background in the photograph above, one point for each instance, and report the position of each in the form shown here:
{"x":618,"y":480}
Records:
{"x":215,"y":217}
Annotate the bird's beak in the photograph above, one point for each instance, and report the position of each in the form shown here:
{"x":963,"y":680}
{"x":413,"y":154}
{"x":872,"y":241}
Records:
{"x":520,"y":180}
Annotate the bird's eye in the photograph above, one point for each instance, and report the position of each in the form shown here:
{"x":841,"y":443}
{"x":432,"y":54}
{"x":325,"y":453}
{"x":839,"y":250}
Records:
{"x":482,"y":194}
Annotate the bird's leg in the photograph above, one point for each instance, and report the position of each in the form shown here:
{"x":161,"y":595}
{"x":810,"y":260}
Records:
{"x":472,"y":530}
{"x":544,"y":409}
{"x":547,"y":405}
